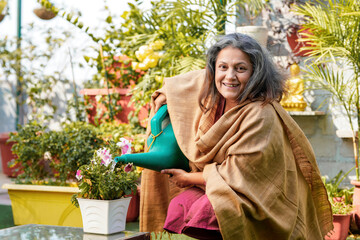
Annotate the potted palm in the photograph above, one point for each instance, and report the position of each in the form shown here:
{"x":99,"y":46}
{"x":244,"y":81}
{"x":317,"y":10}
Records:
{"x":336,"y":62}
{"x":105,"y":189}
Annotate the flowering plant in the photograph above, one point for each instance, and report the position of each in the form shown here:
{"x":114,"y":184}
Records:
{"x":103,"y":178}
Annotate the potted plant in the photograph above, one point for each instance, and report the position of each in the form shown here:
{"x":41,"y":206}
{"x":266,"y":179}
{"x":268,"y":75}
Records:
{"x":115,"y":132}
{"x":47,"y":162}
{"x":341,"y":204}
{"x":341,"y":219}
{"x":110,"y":101}
{"x":103,"y":189}
{"x":334,"y":53}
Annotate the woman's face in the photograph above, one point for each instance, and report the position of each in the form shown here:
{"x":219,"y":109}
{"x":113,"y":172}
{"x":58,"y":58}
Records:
{"x":233,"y":70}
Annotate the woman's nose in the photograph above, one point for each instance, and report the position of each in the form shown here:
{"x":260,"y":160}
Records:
{"x":230,"y":74}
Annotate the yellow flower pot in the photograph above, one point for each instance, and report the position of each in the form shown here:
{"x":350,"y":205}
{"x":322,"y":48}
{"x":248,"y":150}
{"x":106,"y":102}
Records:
{"x":39,"y":204}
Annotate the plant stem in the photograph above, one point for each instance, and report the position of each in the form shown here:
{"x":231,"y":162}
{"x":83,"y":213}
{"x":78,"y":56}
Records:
{"x":78,"y":117}
{"x":107,"y":82}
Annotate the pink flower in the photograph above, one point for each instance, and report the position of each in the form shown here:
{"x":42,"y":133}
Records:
{"x":105,"y":156}
{"x":78,"y":175}
{"x":128,"y":167}
{"x":125,"y":146}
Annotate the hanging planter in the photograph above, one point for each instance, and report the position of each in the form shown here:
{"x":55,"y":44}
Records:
{"x":104,"y":216}
{"x":44,"y":14}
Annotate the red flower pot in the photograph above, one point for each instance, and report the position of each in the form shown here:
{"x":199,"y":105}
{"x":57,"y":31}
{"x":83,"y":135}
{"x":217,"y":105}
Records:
{"x":341,"y":227}
{"x":134,"y":207}
{"x":355,"y":220}
{"x":295,"y":45}
{"x":6,"y":154}
{"x":121,"y":117}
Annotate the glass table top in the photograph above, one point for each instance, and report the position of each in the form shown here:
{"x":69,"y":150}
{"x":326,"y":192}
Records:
{"x":47,"y":232}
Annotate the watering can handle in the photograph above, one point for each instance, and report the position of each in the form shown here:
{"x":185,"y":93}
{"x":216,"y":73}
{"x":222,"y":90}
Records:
{"x":157,"y":120}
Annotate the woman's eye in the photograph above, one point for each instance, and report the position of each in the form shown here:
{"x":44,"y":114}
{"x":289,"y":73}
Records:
{"x":241,"y":69}
{"x":222,"y":67}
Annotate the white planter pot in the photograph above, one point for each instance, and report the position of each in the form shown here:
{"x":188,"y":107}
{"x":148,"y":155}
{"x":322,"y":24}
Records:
{"x":104,"y":216}
{"x":259,"y":33}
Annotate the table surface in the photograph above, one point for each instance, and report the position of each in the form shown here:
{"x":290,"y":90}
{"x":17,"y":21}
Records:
{"x":47,"y":232}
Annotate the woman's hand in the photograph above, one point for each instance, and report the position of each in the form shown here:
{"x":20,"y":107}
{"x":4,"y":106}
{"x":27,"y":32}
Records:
{"x":159,"y":101}
{"x":183,"y":179}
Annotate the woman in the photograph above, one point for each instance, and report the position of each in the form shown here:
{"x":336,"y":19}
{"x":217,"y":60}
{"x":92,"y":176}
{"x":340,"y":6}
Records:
{"x":254,"y":175}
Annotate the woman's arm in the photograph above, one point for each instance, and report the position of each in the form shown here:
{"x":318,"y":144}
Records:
{"x":183,"y":179}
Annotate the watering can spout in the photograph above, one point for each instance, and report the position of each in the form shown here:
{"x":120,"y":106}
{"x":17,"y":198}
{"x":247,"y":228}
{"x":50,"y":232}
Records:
{"x":164,"y":152}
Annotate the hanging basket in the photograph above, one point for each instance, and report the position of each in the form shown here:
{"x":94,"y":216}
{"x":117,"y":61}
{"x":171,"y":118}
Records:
{"x":44,"y":14}
{"x":1,"y":17}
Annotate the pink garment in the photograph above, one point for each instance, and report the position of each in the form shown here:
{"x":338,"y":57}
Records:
{"x":191,"y":213}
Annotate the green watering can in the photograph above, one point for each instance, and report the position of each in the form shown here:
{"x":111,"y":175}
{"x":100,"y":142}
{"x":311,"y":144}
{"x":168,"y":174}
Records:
{"x":164,"y":152}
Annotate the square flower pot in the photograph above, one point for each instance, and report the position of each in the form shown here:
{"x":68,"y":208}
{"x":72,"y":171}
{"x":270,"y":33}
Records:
{"x":104,"y":216}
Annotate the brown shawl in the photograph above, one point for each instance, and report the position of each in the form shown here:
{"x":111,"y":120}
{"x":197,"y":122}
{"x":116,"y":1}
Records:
{"x":260,"y":170}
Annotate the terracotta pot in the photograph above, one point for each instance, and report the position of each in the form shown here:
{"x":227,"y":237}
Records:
{"x":6,"y":154}
{"x":121,"y":117}
{"x":355,"y":219}
{"x":341,"y":227}
{"x":134,"y":207}
{"x":295,"y":45}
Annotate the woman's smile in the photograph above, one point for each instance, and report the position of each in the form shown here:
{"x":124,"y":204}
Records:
{"x":231,"y":85}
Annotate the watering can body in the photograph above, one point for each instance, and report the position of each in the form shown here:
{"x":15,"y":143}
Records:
{"x":164,"y":152}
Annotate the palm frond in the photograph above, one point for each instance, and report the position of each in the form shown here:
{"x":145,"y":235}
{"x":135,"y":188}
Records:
{"x":187,"y":64}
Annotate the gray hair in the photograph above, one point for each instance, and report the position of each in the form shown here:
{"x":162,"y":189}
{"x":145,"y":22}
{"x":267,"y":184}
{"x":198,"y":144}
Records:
{"x":266,"y":82}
